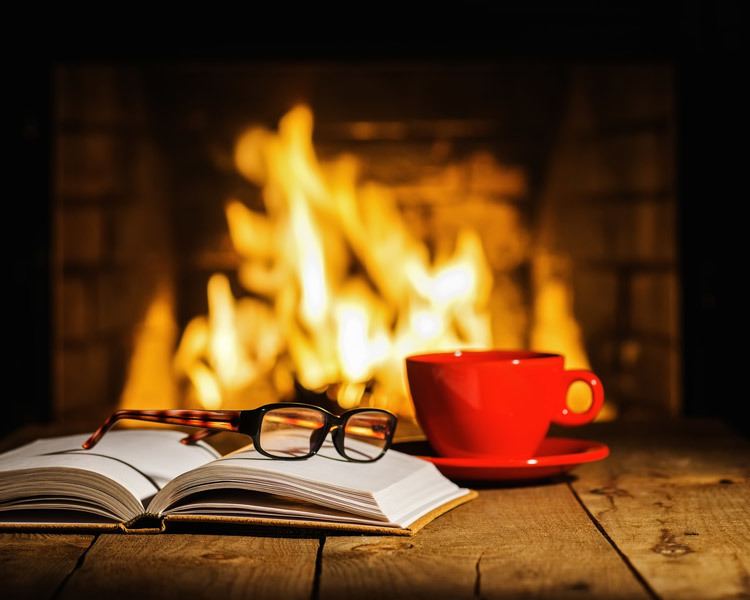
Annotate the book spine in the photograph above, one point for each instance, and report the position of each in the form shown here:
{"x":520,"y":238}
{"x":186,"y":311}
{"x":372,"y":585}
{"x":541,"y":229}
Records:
{"x":146,"y":523}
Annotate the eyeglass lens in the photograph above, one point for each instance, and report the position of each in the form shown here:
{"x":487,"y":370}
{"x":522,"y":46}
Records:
{"x":290,"y":431}
{"x":366,"y":434}
{"x":295,"y":432}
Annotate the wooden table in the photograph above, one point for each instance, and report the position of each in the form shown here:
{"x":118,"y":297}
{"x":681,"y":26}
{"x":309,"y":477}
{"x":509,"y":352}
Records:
{"x":666,"y":516}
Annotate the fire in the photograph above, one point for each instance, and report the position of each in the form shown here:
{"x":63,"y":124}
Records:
{"x":334,"y":289}
{"x":152,"y":356}
{"x":339,"y":291}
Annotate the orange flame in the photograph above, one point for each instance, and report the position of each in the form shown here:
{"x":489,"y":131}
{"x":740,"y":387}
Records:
{"x":341,"y":290}
{"x":346,"y":289}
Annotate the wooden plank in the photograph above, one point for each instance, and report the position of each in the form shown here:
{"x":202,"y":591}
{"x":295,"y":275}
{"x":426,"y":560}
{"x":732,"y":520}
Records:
{"x":33,"y":565}
{"x":677,"y":504}
{"x":183,"y":566}
{"x":512,"y":542}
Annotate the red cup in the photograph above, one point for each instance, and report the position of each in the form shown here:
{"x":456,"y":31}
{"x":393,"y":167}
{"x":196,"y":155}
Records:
{"x":496,"y":403}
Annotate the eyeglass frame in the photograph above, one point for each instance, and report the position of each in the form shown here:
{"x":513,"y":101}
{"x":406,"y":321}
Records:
{"x":249,"y":422}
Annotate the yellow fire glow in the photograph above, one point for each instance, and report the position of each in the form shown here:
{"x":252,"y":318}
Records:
{"x":346,"y":291}
{"x":338,"y":289}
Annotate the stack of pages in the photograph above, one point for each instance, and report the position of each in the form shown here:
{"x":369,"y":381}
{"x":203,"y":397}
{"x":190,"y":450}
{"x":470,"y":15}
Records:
{"x":138,"y":478}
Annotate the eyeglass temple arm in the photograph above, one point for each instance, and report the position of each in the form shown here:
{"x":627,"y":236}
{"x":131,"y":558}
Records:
{"x":223,"y":420}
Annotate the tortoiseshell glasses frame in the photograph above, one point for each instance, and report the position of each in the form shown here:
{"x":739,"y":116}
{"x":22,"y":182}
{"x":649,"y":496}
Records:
{"x":372,"y":425}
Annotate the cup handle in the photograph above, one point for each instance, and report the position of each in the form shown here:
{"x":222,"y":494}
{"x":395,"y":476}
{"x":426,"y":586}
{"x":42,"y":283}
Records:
{"x":569,"y":418}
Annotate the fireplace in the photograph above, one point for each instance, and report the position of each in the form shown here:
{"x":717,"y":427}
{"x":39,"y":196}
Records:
{"x":615,"y":120}
{"x":560,"y":176}
{"x":576,"y":168}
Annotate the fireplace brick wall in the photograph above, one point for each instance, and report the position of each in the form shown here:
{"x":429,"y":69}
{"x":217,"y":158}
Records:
{"x":601,"y":168}
{"x":110,"y":238}
{"x":611,"y":183}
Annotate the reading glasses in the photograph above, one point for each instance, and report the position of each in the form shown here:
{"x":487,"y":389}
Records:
{"x":284,"y":430}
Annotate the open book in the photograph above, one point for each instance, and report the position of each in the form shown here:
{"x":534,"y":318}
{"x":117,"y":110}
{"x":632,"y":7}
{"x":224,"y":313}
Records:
{"x":146,"y":478}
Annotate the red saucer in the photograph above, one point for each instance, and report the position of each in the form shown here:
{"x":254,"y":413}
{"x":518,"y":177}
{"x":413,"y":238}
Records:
{"x":554,"y":457}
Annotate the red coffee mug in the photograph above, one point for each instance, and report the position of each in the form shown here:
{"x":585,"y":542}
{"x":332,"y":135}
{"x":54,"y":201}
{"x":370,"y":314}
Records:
{"x":496,"y":403}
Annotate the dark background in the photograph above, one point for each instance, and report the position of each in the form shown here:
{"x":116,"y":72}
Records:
{"x":704,"y":40}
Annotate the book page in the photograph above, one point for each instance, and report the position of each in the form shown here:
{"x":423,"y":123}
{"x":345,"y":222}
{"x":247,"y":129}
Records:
{"x":234,"y":503}
{"x":328,"y":467}
{"x":394,"y":490}
{"x":140,"y":462}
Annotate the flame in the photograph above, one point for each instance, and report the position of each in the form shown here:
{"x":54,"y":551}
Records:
{"x":152,"y":354}
{"x":337,"y":290}
{"x":347,"y":291}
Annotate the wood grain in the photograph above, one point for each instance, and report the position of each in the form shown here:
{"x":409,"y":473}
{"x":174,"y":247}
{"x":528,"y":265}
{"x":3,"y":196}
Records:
{"x":195,"y":566}
{"x":673,"y":500}
{"x":678,"y":505}
{"x":33,"y":565}
{"x":515,"y":542}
